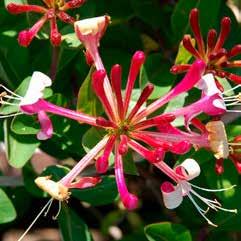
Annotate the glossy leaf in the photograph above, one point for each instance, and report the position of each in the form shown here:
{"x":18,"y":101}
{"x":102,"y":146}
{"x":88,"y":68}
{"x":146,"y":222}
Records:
{"x":72,"y":227}
{"x":168,"y":232}
{"x":103,"y":193}
{"x":87,"y":100}
{"x":20,"y":148}
{"x":7,"y":210}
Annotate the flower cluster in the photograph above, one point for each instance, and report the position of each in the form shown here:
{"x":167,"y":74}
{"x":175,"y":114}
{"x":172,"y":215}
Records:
{"x":53,"y":10}
{"x":212,"y":52}
{"x":137,"y":128}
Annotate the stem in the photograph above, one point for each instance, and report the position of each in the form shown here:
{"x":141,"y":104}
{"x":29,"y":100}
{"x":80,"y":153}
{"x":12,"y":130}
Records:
{"x":54,"y":62}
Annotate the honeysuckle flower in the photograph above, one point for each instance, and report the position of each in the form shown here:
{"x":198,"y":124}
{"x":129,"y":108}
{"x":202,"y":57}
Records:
{"x":216,"y":57}
{"x":59,"y":192}
{"x":123,"y":130}
{"x":33,"y":103}
{"x":173,"y":195}
{"x":53,"y":10}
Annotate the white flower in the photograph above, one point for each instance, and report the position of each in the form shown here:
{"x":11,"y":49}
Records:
{"x":37,"y":84}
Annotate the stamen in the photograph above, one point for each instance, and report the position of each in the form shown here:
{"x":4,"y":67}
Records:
{"x":213,"y":190}
{"x":46,"y":213}
{"x":11,"y":92}
{"x":37,"y":217}
{"x":232,"y":89}
{"x":59,"y":210}
{"x":201,"y":211}
{"x":10,"y":115}
{"x":7,"y":103}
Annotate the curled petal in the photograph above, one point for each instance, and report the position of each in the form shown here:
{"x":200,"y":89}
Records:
{"x":85,"y":182}
{"x":192,"y":168}
{"x":208,"y":85}
{"x":46,"y":131}
{"x":172,"y":196}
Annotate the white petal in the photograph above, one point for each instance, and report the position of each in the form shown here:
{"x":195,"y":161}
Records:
{"x":37,"y":84}
{"x":192,"y":168}
{"x":207,"y":85}
{"x":219,"y":103}
{"x":91,"y":25}
{"x":172,"y":199}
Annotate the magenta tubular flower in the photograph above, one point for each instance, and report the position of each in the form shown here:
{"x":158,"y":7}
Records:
{"x":126,"y":127}
{"x":213,"y":53}
{"x":52,"y":11}
{"x":33,"y":103}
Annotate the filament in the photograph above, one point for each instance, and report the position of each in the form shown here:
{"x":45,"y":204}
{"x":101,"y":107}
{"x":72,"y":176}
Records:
{"x":10,"y":115}
{"x":57,"y":214}
{"x":11,"y":92}
{"x":37,"y":217}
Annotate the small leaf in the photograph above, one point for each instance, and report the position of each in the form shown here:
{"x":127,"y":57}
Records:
{"x":6,"y":2}
{"x":73,"y":228}
{"x":87,"y":100}
{"x":20,"y":148}
{"x":25,"y":125}
{"x":7,"y":210}
{"x":183,"y":56}
{"x":69,"y":38}
{"x":167,"y":231}
{"x":103,"y":193}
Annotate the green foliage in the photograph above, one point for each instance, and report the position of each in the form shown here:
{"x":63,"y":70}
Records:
{"x":158,"y":28}
{"x":167,"y":231}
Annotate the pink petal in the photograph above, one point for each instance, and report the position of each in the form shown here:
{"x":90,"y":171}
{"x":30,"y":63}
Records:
{"x":46,"y":131}
{"x":85,"y":182}
{"x":172,"y":196}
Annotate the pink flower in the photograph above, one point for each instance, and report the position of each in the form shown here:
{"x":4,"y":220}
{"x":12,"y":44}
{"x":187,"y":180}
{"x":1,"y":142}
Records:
{"x":173,"y":195}
{"x":214,"y":55}
{"x":33,"y":103}
{"x":52,"y":11}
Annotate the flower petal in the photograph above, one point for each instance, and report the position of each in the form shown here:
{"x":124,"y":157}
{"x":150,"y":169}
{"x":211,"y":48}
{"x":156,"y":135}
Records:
{"x":46,"y":131}
{"x":85,"y":182}
{"x":191,"y":167}
{"x":172,"y":195}
{"x":37,"y":84}
{"x":207,"y":85}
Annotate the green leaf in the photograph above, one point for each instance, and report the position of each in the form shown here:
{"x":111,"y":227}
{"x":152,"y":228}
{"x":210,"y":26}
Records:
{"x":174,"y":104}
{"x":87,"y":100}
{"x":72,"y":227}
{"x":20,"y":148}
{"x":167,"y":231}
{"x":6,"y":2}
{"x":103,"y":193}
{"x":183,"y":56}
{"x":69,"y":38}
{"x":149,"y":11}
{"x":180,"y":16}
{"x":156,"y":71}
{"x":25,"y":125}
{"x":7,"y":210}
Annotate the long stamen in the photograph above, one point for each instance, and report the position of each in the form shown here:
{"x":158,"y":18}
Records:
{"x":10,"y":115}
{"x":213,"y":190}
{"x":57,"y":214}
{"x":200,"y":210}
{"x":8,"y":103}
{"x":11,"y":92}
{"x":37,"y":217}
